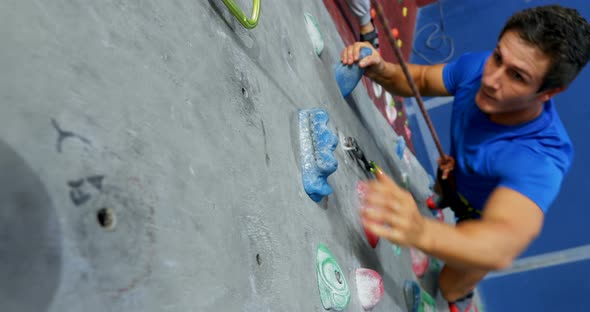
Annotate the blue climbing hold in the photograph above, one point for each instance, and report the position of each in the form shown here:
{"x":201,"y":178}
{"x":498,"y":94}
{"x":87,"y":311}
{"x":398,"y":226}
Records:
{"x":348,"y":76}
{"x":412,"y":296}
{"x":400,"y":147}
{"x":417,"y":300}
{"x":317,"y":145}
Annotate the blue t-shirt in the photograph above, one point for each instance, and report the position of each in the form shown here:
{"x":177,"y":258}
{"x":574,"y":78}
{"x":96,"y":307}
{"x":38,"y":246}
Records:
{"x":530,"y":158}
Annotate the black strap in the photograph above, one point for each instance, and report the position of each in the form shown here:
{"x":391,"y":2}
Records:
{"x":451,"y":198}
{"x":371,"y":37}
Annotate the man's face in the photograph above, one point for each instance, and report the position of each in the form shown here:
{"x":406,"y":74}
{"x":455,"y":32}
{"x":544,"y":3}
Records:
{"x":512,"y":76}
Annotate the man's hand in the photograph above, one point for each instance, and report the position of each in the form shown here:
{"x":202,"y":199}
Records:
{"x":392,"y":213}
{"x":373,"y":63}
{"x":446,"y":164}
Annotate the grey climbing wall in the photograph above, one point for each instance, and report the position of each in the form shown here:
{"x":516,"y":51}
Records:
{"x":148,"y":156}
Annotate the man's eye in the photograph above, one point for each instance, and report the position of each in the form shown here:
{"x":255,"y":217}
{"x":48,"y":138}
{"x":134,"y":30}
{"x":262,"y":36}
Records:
{"x":517,"y":76}
{"x":497,"y":57}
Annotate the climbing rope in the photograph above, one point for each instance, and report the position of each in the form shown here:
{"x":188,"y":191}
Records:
{"x":241,"y":16}
{"x":404,"y":66}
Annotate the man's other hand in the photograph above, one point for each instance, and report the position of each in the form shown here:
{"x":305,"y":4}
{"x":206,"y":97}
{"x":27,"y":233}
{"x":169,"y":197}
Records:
{"x":392,"y":212}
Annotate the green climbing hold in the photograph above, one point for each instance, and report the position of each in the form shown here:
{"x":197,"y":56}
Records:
{"x":397,"y":250}
{"x":399,"y":114}
{"x":435,"y":265}
{"x":392,"y":103}
{"x":405,"y":181}
{"x":313,"y":30}
{"x":237,"y":11}
{"x":334,"y":291}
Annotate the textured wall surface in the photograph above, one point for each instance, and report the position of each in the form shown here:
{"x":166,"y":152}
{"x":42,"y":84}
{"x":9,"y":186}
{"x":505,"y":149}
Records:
{"x":150,"y":154}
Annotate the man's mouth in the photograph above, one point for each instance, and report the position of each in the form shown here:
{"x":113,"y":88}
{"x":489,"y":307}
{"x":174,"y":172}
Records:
{"x":487,"y":95}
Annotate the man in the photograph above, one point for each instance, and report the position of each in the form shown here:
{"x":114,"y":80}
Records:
{"x":509,"y":146}
{"x":362,"y":10}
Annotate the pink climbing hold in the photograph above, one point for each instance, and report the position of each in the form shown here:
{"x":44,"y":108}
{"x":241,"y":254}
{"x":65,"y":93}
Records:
{"x":419,"y":262}
{"x":370,"y":287}
{"x":361,"y":188}
{"x":408,"y":132}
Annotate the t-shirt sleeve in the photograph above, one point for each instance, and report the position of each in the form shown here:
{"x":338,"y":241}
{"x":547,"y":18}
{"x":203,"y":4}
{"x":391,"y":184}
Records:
{"x":464,"y":69}
{"x":531,"y":174}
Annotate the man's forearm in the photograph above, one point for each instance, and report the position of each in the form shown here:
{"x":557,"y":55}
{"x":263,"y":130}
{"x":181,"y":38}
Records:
{"x":472,"y":244}
{"x":392,"y":78}
{"x":428,"y":79}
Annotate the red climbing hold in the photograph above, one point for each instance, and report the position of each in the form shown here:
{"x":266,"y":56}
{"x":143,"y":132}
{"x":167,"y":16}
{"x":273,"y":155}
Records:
{"x":373,"y":13}
{"x":395,"y":33}
{"x":361,"y":189}
{"x":371,"y":238}
{"x":419,"y":262}
{"x":431,"y":202}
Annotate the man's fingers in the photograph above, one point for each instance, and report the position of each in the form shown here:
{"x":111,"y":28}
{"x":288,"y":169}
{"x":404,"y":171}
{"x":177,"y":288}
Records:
{"x":385,"y":182}
{"x":375,"y":214}
{"x":379,"y":187}
{"x":368,"y":61}
{"x":350,"y":56}
{"x":380,"y":200}
{"x":446,"y":165}
{"x":382,"y":177}
{"x":357,"y":50}
{"x":381,"y":230}
{"x":446,"y":162}
{"x":381,"y":216}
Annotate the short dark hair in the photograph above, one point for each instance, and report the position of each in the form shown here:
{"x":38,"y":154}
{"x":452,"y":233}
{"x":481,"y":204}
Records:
{"x":559,"y":32}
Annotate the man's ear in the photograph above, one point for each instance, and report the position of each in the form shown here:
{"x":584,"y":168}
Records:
{"x":548,"y":94}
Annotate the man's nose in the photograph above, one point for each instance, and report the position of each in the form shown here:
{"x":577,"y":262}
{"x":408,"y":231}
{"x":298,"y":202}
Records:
{"x":492,"y":79}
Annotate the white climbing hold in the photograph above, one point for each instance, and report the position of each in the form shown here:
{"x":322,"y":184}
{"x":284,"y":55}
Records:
{"x":390,"y":110}
{"x":313,"y":30}
{"x":377,"y":90}
{"x":370,"y":287}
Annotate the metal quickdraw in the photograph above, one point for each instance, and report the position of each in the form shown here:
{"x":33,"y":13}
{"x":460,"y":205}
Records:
{"x":241,"y":16}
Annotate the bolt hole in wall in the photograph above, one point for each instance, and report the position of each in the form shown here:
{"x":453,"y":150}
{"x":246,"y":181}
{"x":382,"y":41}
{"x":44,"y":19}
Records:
{"x":106,"y":218}
{"x":245,"y":92}
{"x":338,"y":277}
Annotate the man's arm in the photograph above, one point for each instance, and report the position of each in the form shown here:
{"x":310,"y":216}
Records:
{"x":428,"y":79}
{"x":509,"y":224}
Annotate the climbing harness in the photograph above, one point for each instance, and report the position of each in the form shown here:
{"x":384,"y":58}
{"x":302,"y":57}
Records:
{"x":451,"y":198}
